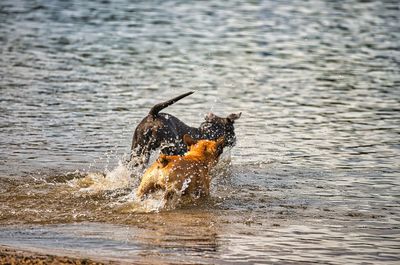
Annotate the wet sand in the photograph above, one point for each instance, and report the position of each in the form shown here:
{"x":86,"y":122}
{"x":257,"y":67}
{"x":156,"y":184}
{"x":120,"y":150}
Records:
{"x":18,"y":256}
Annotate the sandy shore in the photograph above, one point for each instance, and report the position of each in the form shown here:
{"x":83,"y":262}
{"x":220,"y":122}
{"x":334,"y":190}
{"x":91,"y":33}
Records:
{"x":13,"y":256}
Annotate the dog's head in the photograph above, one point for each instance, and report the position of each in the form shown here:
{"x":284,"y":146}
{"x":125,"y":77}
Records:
{"x":208,"y":149}
{"x":215,"y":127}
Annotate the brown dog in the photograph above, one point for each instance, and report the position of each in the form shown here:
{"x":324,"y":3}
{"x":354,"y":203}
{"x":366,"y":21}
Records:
{"x":183,"y":175}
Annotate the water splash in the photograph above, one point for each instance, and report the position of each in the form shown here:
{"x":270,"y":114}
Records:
{"x":119,"y":185}
{"x":154,"y":203}
{"x":120,"y":177}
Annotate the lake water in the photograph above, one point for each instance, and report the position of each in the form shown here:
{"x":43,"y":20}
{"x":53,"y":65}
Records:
{"x":315,"y":174}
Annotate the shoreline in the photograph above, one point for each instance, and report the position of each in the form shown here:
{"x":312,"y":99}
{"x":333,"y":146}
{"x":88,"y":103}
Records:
{"x":11,"y":255}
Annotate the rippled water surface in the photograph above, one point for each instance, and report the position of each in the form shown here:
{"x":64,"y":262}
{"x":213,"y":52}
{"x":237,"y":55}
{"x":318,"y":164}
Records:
{"x":314,"y":176}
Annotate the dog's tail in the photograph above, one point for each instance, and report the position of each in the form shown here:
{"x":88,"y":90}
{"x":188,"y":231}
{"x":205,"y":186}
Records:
{"x":157,"y":108}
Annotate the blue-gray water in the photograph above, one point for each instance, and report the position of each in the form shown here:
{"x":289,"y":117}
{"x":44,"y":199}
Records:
{"x":314,"y":175}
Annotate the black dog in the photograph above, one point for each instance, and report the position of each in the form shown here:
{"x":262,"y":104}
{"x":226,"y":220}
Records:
{"x":162,"y":130}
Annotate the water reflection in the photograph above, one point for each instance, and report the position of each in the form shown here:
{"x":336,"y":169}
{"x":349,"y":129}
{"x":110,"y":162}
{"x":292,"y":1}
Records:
{"x":175,"y":236}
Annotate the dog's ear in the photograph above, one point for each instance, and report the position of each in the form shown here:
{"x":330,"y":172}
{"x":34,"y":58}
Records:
{"x":210,"y":116}
{"x":233,"y":116}
{"x":188,"y":140}
{"x":163,"y":160}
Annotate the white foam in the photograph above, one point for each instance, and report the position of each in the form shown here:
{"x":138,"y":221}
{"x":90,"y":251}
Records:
{"x":118,"y":178}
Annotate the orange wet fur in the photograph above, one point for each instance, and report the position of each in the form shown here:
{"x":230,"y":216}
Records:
{"x":187,"y":174}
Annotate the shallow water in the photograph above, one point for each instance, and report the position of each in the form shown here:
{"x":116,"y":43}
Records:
{"x":315,"y":173}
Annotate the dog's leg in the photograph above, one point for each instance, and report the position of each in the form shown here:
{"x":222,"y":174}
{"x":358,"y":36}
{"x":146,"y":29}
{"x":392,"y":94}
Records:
{"x":145,"y":188}
{"x":139,"y":157}
{"x":168,"y":195}
{"x":142,"y":146}
{"x":134,"y":159}
{"x":136,"y":150}
{"x":146,"y":155}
